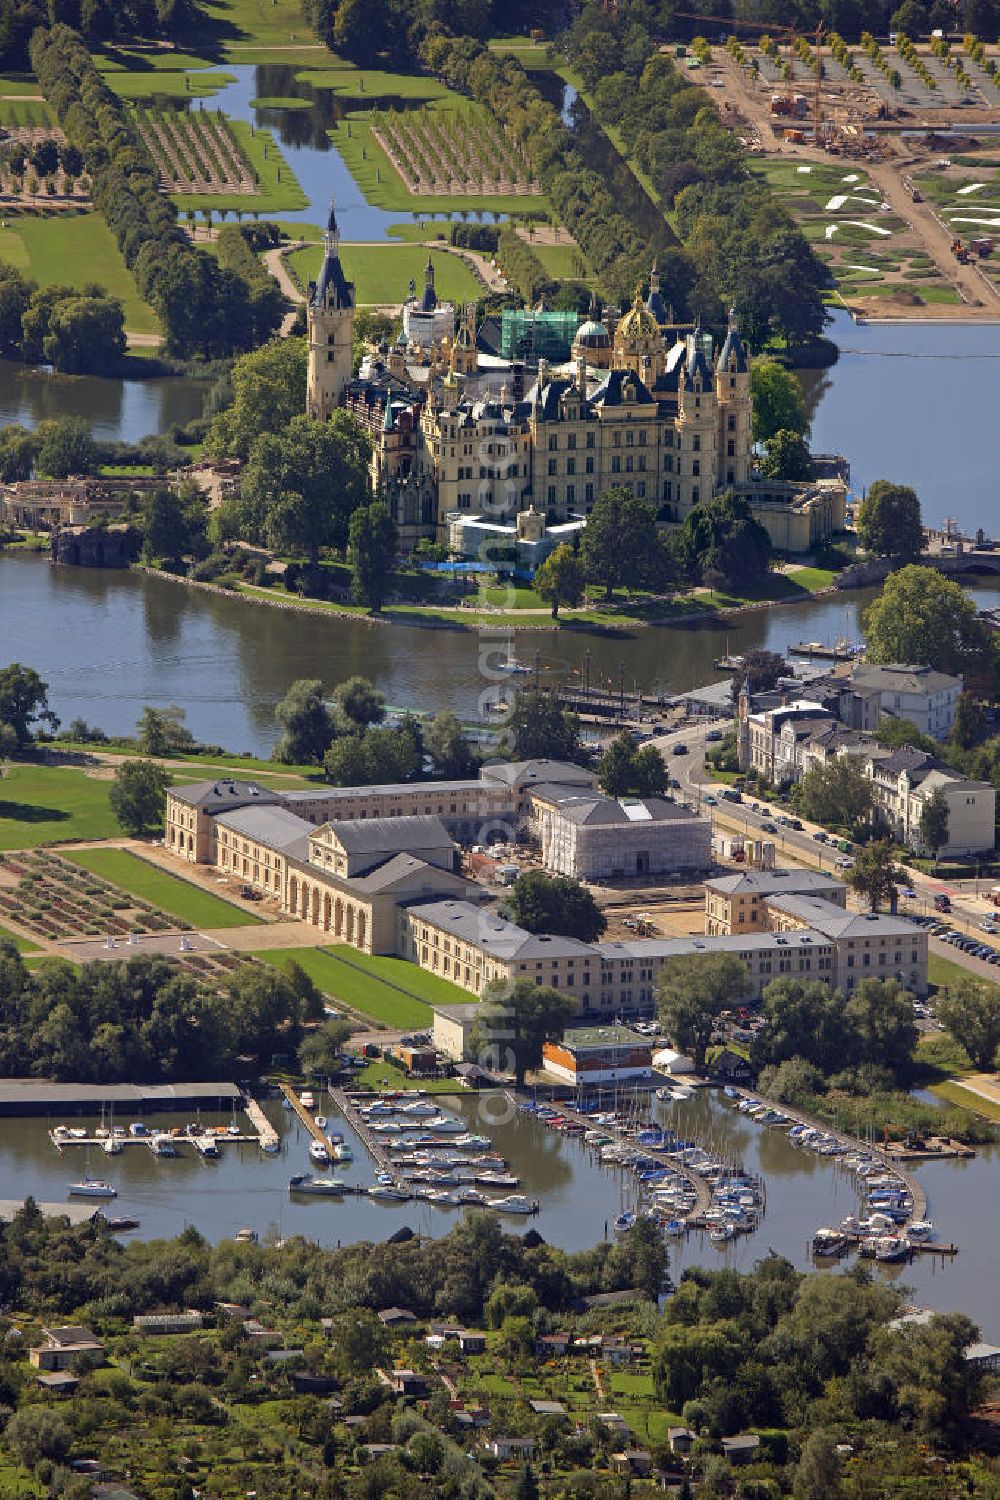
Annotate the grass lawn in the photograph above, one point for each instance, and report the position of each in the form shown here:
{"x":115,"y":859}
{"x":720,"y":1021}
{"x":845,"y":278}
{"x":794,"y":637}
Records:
{"x":233,"y":26}
{"x":23,"y":945}
{"x":178,"y":898}
{"x":197,"y":83}
{"x":42,"y":803}
{"x":954,"y":1093}
{"x":20,"y":85}
{"x":278,"y":187}
{"x":382,"y":274}
{"x":368,"y":85}
{"x":812,"y":578}
{"x":381,"y":1068}
{"x":944,"y":971}
{"x":360,"y":982}
{"x":70,"y":250}
{"x":561,"y":261}
{"x":26,"y":112}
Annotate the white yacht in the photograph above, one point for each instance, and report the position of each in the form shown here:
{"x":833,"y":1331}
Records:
{"x":514,"y":1203}
{"x":92,"y":1187}
{"x":319,"y":1153}
{"x":112,"y":1145}
{"x":307,"y":1099}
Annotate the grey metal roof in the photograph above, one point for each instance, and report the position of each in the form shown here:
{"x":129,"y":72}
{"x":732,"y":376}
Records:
{"x":773,"y":882}
{"x":747,"y":942}
{"x":495,"y":936}
{"x":398,"y":835}
{"x":381,"y":789}
{"x":400,"y":868}
{"x":900,"y":677}
{"x":823,"y":916}
{"x":274,"y":827}
{"x":31,"y":1091}
{"x":521,"y":772}
{"x":599,"y":811}
{"x":224,"y":793}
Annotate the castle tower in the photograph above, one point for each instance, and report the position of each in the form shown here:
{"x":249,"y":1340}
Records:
{"x":654,"y":302}
{"x":732,"y":389}
{"x":464,"y":354}
{"x":697,"y":429}
{"x":639,"y":345}
{"x":330,"y":329}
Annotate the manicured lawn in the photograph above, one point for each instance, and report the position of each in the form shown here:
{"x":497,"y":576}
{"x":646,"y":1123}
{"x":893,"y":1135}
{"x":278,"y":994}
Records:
{"x":26,"y":112}
{"x":19,"y":86}
{"x":407,"y":976}
{"x":367,"y":991}
{"x":561,"y":261}
{"x":42,"y":803}
{"x":200,"y":83}
{"x":370,"y":84}
{"x":811,"y":578}
{"x":278,"y":187}
{"x":382,"y":274}
{"x":23,"y":945}
{"x":71,"y":250}
{"x":178,"y":898}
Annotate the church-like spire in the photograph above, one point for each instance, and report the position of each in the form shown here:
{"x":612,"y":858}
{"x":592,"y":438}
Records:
{"x":331,"y":238}
{"x":332,"y":289}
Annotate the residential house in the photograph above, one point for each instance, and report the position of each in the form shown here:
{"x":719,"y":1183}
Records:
{"x":62,"y":1346}
{"x":396,"y":1317}
{"x":905,"y":780}
{"x":549,"y":1344}
{"x":549,"y":1409}
{"x":741,"y":1449}
{"x":637,"y":1461}
{"x":681,"y":1440}
{"x":511,"y":1447}
{"x":894,"y":690}
{"x":615,"y":1423}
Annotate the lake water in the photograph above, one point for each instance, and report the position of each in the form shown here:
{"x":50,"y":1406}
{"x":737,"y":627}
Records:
{"x":579,"y":1198}
{"x":110,"y":642}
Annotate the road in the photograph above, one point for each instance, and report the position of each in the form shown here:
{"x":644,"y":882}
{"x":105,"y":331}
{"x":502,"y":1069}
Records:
{"x":975,"y":289}
{"x":800,"y":847}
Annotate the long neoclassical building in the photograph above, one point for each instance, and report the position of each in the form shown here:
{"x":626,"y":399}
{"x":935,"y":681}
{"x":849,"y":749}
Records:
{"x":460,"y":432}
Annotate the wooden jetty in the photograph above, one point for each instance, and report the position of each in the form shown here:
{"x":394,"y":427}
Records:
{"x":377,"y":1148}
{"x":267,"y":1137}
{"x":621,"y":1138}
{"x":853,"y":1143}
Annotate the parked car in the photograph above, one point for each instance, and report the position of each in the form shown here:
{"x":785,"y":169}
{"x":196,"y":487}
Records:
{"x":680,"y":749}
{"x":769,"y":827}
{"x":711,"y":801}
{"x":713,"y":735}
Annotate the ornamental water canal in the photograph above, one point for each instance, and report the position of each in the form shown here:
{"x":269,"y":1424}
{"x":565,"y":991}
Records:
{"x":579,"y":1199}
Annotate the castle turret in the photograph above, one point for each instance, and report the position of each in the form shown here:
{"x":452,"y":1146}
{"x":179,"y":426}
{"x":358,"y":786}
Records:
{"x":696,"y":428}
{"x":330,"y":328}
{"x":732,"y":388}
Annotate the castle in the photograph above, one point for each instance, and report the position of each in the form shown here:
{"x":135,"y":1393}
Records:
{"x":462,"y":435}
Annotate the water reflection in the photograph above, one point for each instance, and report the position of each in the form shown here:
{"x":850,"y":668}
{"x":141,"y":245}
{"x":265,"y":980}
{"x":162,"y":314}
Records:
{"x":115,"y":409}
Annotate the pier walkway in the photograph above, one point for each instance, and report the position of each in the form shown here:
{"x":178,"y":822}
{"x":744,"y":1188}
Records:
{"x":701,"y":1187}
{"x":268,"y":1138}
{"x":892,"y":1163}
{"x":375,"y":1148}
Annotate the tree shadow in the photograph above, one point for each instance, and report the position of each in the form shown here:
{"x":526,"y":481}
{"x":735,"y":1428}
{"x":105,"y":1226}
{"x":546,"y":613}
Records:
{"x":28,"y":812}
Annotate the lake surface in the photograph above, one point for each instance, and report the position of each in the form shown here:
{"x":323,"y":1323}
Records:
{"x":579,"y":1198}
{"x":109,"y":642}
{"x":124,"y":410}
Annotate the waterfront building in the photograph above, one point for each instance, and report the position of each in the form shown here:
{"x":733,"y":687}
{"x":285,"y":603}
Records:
{"x":462,"y":431}
{"x":920,"y":694}
{"x":598,"y":1054}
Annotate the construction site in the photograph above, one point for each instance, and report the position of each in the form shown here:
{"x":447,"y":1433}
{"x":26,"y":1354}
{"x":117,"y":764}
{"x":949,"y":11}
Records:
{"x":886,"y":154}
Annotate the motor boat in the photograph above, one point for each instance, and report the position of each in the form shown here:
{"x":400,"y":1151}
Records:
{"x":389,"y":1192}
{"x":321,"y":1121}
{"x":112,"y":1145}
{"x":307,"y":1099}
{"x":162,"y":1145}
{"x":514,"y":1203}
{"x":320,"y":1187}
{"x":92,"y":1187}
{"x":247,"y":1237}
{"x":719,"y":1234}
{"x":342,"y":1152}
{"x":891,"y":1247}
{"x":624,"y":1223}
{"x":829,"y":1242}
{"x":319,"y":1153}
{"x":920,"y":1229}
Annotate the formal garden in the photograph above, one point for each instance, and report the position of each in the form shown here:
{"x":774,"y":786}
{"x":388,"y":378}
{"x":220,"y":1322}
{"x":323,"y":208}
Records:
{"x":49,"y":896}
{"x":453,"y":152}
{"x":195,"y":152}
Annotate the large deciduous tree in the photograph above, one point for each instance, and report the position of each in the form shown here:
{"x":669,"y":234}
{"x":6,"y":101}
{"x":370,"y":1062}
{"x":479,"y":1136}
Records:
{"x":555,"y":904}
{"x":538,"y":727}
{"x":138,"y":795}
{"x":969,"y":1011}
{"x":627,"y":771}
{"x":300,"y":486}
{"x":933,"y":823}
{"x":777,"y":401}
{"x":620,"y":547}
{"x":307,"y":722}
{"x":722,"y":538}
{"x":875,"y":874}
{"x":560,"y":579}
{"x":449,"y":748}
{"x":514,"y":1024}
{"x":372,"y":534}
{"x":269,"y":390}
{"x":889,"y":523}
{"x":838,"y":794}
{"x":24,"y":702}
{"x":923,"y":618}
{"x":692,"y":993}
{"x":787,"y":456}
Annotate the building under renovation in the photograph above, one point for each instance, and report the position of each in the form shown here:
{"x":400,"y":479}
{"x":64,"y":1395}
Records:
{"x":592,"y":837}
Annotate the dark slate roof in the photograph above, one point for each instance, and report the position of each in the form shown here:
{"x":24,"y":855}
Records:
{"x":332,"y":289}
{"x":612,"y":391}
{"x":698,"y":365}
{"x":375,"y":835}
{"x":428,"y":300}
{"x":733,"y":346}
{"x":223,"y":794}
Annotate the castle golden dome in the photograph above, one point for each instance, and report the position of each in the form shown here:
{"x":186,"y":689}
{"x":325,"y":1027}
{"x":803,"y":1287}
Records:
{"x":637,"y":326}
